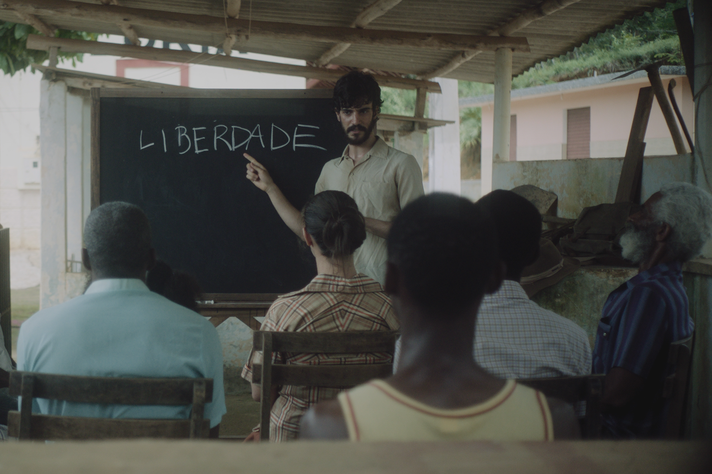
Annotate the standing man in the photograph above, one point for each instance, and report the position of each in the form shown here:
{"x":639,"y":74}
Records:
{"x":381,"y":179}
{"x":648,"y":312}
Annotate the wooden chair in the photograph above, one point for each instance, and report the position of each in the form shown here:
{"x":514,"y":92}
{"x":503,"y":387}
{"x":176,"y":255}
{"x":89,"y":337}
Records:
{"x":26,"y":425}
{"x":341,"y":376}
{"x":588,"y":388}
{"x":675,"y":386}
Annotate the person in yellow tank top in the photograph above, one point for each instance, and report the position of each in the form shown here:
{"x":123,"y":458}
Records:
{"x":442,"y":259}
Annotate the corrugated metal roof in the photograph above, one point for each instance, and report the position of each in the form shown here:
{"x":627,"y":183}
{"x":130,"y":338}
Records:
{"x":548,"y":37}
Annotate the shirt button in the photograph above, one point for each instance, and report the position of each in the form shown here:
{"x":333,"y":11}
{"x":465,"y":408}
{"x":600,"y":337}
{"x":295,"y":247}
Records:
{"x":605,"y":334}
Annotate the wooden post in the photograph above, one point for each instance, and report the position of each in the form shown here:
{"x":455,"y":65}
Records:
{"x":666,"y":108}
{"x":629,"y":181}
{"x":502,"y":112}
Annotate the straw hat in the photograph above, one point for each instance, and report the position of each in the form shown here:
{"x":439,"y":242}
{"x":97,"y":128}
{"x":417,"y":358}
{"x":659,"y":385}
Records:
{"x":549,"y":269}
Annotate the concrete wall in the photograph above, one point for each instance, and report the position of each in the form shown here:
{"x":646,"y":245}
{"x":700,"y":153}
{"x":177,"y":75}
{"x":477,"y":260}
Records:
{"x":583,"y":183}
{"x":541,"y":120}
{"x":20,"y":159}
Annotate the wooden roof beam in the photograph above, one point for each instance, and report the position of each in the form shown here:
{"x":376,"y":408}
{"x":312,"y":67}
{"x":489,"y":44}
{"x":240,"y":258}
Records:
{"x":273,"y":30}
{"x":545,"y":8}
{"x":130,"y":33}
{"x":94,"y":47}
{"x":37,"y":24}
{"x":232,"y":10}
{"x":370,"y":13}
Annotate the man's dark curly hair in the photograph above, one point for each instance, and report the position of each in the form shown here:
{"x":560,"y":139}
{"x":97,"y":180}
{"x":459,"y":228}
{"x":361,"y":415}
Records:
{"x":445,"y":249}
{"x":355,"y":89}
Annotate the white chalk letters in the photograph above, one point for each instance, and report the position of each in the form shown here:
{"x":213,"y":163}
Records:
{"x":183,"y":140}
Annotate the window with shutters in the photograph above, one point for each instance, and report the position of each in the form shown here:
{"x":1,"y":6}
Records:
{"x":578,"y":133}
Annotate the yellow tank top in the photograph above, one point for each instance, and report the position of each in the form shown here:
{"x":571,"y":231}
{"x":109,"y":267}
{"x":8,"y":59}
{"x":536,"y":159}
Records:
{"x":377,"y":412}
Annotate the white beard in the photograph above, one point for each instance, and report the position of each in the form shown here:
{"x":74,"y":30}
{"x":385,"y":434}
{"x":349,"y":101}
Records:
{"x":636,"y":244}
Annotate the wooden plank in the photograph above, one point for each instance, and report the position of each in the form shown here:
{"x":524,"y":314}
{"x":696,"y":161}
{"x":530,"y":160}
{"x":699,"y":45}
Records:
{"x":80,"y":428}
{"x":95,"y":148}
{"x":281,"y":31}
{"x":330,"y":342}
{"x":110,"y":390}
{"x":348,"y":375}
{"x":485,"y":457}
{"x":657,"y":84}
{"x":5,"y":294}
{"x":629,"y":182}
{"x":79,"y":46}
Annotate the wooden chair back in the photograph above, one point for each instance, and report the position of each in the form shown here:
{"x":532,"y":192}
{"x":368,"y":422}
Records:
{"x":26,"y":425}
{"x":675,"y":386}
{"x":341,"y":376}
{"x":585,"y":388}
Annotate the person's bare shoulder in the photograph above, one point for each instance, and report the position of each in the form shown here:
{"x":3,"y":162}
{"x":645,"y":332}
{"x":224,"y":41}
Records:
{"x":566,"y":425}
{"x":324,"y":420}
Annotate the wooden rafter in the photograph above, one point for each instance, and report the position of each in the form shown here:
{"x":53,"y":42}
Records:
{"x":37,"y":24}
{"x":94,"y":47}
{"x":232,"y":10}
{"x":545,"y":8}
{"x":130,"y":33}
{"x":370,"y":13}
{"x":273,"y":30}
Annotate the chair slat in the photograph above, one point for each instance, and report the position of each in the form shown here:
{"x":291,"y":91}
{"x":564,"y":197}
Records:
{"x":78,"y":428}
{"x":329,"y":342}
{"x":105,"y":390}
{"x":325,"y":375}
{"x":112,"y":390}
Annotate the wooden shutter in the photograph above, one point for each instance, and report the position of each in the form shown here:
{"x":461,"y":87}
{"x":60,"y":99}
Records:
{"x":578,"y":133}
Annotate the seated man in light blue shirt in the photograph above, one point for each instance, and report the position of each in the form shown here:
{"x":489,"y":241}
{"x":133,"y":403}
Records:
{"x":118,"y":328}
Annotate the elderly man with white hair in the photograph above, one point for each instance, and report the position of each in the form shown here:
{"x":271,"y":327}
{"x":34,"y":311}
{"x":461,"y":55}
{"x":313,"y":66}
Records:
{"x":648,"y":312}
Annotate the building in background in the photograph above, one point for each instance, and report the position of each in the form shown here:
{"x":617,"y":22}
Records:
{"x":583,"y":118}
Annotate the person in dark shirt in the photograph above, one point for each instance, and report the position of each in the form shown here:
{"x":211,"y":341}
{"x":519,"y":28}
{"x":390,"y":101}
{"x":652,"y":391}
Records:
{"x":648,"y":312}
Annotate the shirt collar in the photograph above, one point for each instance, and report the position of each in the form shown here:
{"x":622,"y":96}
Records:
{"x":324,"y":283}
{"x":116,"y":284}
{"x":510,"y":289}
{"x":378,"y":150}
{"x":659,"y":270}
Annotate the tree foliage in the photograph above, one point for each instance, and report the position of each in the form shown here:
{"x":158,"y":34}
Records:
{"x":15,"y":57}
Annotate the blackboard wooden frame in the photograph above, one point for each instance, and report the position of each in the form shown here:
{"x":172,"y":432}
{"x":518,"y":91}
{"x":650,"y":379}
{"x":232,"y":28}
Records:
{"x":250,"y":303}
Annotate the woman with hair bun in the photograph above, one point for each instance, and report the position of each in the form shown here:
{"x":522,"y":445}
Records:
{"x":337,"y":299}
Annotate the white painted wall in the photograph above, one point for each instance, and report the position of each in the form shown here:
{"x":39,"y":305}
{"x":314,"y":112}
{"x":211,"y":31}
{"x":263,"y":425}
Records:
{"x":444,"y":152}
{"x":19,"y":154}
{"x":541,"y":121}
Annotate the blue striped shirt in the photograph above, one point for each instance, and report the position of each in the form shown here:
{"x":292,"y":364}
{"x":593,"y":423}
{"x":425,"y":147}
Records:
{"x":640,"y":320}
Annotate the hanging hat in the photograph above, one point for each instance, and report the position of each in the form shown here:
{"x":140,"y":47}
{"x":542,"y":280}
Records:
{"x":549,"y":269}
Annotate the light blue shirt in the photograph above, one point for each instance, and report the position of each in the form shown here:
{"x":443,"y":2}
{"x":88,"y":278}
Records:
{"x":119,"y":328}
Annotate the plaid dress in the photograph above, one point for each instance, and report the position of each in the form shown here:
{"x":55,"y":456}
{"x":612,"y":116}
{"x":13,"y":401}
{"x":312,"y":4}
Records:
{"x":328,"y":304}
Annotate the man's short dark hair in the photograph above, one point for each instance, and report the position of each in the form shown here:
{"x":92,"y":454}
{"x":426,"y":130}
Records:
{"x":117,"y":237}
{"x":518,"y":225}
{"x":445,"y":249}
{"x":355,"y":89}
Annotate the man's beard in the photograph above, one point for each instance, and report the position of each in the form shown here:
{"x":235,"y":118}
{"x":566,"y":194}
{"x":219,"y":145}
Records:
{"x":366,"y":135}
{"x":637,"y":244}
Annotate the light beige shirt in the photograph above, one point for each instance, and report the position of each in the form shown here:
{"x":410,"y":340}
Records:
{"x":381,"y":184}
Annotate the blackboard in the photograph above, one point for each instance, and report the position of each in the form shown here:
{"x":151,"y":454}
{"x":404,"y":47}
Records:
{"x":178,"y":156}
